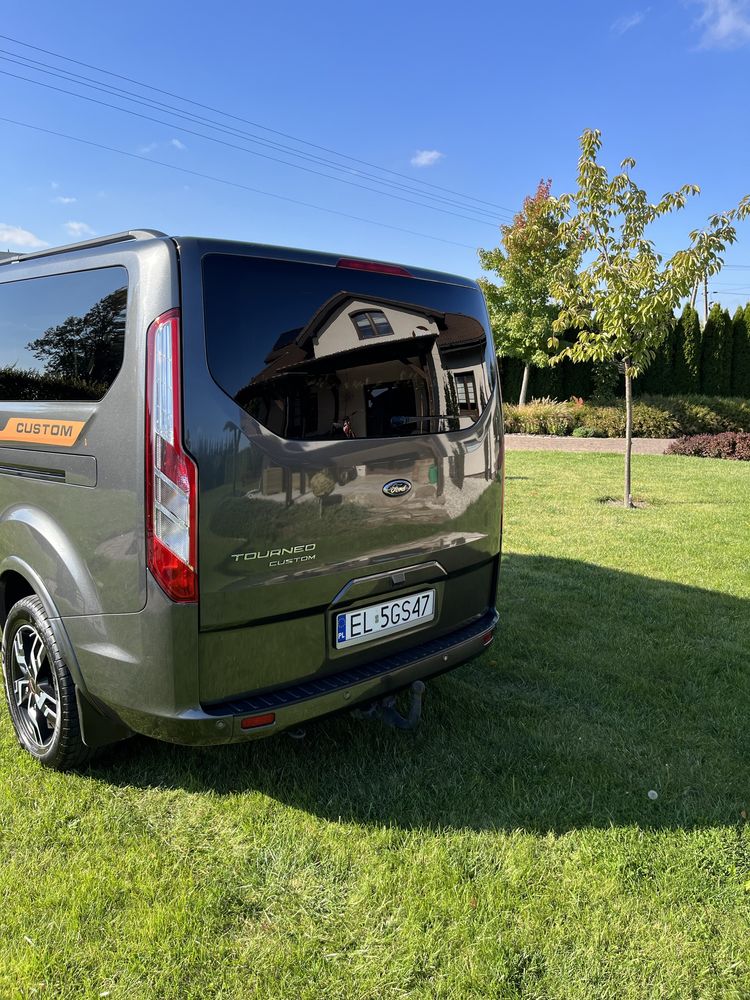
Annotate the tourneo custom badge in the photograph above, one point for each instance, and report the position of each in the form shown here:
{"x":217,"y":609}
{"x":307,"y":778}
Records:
{"x":397,"y":488}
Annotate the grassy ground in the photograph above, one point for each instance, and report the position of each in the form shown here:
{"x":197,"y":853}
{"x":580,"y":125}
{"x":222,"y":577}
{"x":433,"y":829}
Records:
{"x":508,"y":849}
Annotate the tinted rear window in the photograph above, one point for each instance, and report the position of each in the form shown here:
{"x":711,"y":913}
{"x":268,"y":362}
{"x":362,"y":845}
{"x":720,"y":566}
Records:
{"x":315,"y":352}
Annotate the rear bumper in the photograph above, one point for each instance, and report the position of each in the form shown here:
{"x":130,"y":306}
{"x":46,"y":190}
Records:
{"x":221,"y":723}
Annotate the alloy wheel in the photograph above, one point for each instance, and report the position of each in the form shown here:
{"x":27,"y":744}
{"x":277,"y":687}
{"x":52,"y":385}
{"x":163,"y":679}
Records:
{"x":34,"y":687}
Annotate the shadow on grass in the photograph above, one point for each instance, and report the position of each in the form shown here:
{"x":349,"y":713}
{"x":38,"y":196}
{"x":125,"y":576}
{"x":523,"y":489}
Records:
{"x":600,"y":687}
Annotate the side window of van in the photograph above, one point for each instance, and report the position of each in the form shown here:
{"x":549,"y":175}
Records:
{"x":62,"y":336}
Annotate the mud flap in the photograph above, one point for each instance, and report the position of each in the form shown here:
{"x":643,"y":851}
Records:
{"x":98,"y":730}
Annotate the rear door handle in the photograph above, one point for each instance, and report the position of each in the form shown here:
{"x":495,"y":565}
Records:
{"x":383,"y":583}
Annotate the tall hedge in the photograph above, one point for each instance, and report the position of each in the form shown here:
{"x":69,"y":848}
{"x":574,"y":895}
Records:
{"x":687,"y":361}
{"x":658,"y":378}
{"x":740,"y":385}
{"x":716,"y":345}
{"x":727,"y":355}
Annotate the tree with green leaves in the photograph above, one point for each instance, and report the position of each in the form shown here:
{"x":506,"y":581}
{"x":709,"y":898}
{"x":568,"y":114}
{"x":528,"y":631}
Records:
{"x":740,"y":384}
{"x":716,"y":354}
{"x":612,"y":284}
{"x":521,"y":310}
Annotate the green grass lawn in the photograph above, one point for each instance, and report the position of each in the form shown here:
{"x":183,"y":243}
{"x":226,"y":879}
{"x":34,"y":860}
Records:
{"x":508,"y":849}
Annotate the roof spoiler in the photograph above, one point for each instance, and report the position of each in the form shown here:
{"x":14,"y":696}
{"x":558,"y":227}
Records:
{"x":100,"y":241}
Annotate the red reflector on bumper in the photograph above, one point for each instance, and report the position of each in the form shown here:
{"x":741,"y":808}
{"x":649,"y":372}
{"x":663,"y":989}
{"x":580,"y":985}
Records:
{"x":256,"y":721}
{"x":488,"y":637}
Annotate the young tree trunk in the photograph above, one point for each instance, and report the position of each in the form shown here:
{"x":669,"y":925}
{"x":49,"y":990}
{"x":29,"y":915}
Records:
{"x":524,"y":385}
{"x":628,"y":432}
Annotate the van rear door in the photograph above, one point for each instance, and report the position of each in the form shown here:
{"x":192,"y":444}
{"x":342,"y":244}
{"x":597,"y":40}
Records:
{"x":345,"y":418}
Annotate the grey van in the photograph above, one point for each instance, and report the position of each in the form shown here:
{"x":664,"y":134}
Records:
{"x":240,"y":487}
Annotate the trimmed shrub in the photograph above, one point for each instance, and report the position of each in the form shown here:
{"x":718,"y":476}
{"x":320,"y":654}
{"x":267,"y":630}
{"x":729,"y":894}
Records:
{"x":584,"y":432}
{"x":727,"y":445}
{"x":697,"y":417}
{"x":649,"y":420}
{"x":540,"y":416}
{"x":604,"y":420}
{"x":734,"y":414}
{"x":653,"y":417}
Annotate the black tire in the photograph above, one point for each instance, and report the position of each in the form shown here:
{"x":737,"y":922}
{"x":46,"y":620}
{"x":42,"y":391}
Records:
{"x":39,"y":689}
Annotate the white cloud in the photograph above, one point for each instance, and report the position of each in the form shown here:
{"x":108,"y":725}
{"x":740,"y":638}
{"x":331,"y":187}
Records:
{"x":54,"y":185}
{"x":177,"y":144}
{"x":62,"y":200}
{"x":629,"y":21}
{"x":149,"y":148}
{"x":426,"y":157}
{"x":79,"y":229}
{"x":724,"y":24}
{"x":19,"y":239}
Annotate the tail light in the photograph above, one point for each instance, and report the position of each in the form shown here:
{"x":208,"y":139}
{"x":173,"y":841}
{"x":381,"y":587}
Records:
{"x":171,"y":475}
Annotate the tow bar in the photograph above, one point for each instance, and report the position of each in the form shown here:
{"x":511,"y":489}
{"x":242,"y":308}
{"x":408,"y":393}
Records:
{"x":384,"y":709}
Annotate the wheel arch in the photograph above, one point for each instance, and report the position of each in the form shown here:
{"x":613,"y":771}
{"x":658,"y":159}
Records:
{"x":18,"y":578}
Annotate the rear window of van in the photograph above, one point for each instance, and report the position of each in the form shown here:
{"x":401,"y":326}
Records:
{"x":315,"y":352}
{"x":62,"y":336}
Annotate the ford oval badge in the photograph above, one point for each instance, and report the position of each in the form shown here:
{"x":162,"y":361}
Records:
{"x":397,"y":488}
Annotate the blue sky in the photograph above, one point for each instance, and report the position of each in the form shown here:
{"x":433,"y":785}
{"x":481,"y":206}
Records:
{"x":482,"y":99}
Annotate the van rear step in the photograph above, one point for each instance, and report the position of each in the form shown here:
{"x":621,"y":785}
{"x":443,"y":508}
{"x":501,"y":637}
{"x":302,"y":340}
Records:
{"x":287,"y":697}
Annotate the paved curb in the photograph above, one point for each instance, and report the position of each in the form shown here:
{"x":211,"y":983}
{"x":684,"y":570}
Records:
{"x":549,"y":442}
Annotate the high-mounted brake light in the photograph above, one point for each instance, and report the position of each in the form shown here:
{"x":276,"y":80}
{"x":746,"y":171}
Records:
{"x":171,"y":475}
{"x":373,"y":265}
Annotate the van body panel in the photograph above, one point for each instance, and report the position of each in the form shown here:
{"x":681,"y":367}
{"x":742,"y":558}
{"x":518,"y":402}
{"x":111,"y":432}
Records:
{"x":146,"y":661}
{"x":300,"y":648}
{"x":173,"y":720}
{"x":76,"y":511}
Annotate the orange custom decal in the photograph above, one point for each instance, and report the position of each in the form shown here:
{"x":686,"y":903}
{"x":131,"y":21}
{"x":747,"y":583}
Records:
{"x":64,"y":433}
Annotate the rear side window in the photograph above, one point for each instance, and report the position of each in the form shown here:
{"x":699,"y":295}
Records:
{"x":62,"y":336}
{"x":315,"y":352}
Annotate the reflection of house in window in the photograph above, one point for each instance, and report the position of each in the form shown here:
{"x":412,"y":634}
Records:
{"x":372,"y":323}
{"x":466,"y":391}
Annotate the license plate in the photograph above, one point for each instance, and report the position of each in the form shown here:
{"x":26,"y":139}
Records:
{"x":386,"y":618}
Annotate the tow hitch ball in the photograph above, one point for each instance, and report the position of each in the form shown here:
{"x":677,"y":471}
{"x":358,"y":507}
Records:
{"x":385,"y":709}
